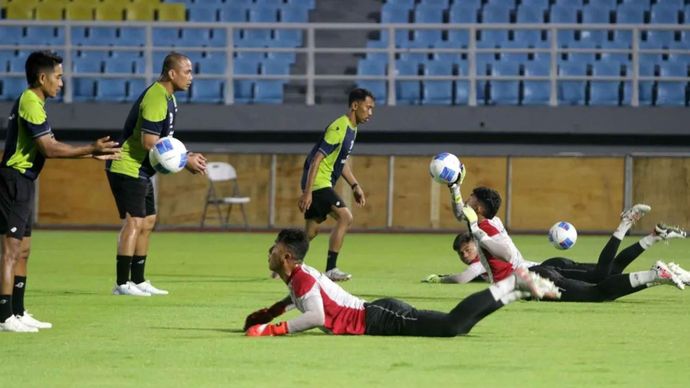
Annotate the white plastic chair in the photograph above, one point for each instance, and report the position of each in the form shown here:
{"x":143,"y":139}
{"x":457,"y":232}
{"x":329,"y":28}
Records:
{"x":219,"y":173}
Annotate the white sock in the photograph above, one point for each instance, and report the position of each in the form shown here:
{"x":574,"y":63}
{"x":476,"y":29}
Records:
{"x":647,"y":241}
{"x":622,"y":229}
{"x":642,"y":278}
{"x":502,"y":288}
{"x":511,"y":297}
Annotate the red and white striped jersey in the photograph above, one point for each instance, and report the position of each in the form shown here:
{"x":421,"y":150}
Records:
{"x":342,"y":312}
{"x":501,"y":269}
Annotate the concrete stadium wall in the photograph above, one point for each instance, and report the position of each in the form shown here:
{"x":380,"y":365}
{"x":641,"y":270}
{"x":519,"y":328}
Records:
{"x":537,"y":192}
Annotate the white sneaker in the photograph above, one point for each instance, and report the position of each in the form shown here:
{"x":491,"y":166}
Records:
{"x":28,"y":320}
{"x":129,"y":288}
{"x":149,"y":288}
{"x":667,"y":232}
{"x":337,"y":275}
{"x":680,"y":272}
{"x":636,"y":212}
{"x":13,"y":324}
{"x":666,"y":276}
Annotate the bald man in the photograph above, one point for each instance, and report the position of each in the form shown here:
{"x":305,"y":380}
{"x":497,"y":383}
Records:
{"x":151,"y":117}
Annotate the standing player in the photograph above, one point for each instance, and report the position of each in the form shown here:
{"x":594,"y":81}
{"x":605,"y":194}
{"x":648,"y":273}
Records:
{"x":151,"y":117}
{"x":29,"y":142}
{"x":326,"y":305}
{"x":324,"y":165}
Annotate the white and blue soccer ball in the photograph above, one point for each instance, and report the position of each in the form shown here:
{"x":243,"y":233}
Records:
{"x":446,"y":168}
{"x":563,"y":235}
{"x":168,"y":155}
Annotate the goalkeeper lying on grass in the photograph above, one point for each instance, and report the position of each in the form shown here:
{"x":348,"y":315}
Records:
{"x":327,"y":306}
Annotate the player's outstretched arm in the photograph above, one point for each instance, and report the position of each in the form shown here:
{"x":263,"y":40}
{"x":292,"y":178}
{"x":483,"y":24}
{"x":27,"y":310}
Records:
{"x":456,"y":202}
{"x":267,"y":314}
{"x":51,"y":148}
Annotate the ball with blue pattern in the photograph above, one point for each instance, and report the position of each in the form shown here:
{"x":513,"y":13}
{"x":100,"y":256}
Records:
{"x":562,"y":235}
{"x":446,"y":168}
{"x":168,"y":155}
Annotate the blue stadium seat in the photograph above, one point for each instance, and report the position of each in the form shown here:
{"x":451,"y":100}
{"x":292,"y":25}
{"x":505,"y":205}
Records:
{"x":575,"y":4}
{"x":219,"y":37}
{"x":437,"y":92}
{"x":5,"y":57}
{"x":283,"y":56}
{"x":244,"y":91}
{"x":256,"y":34}
{"x":202,"y":13}
{"x":672,"y":93}
{"x":462,"y":90}
{"x":119,"y":65}
{"x":605,"y":92}
{"x":83,"y":89}
{"x":16,"y":64}
{"x":293,"y":37}
{"x":657,"y":39}
{"x":415,"y":56}
{"x":638,"y":3}
{"x":111,"y":89}
{"x":263,"y":14}
{"x":409,"y":4}
{"x":447,"y":56}
{"x":310,"y":4}
{"x":628,"y":14}
{"x":213,"y":65}
{"x":102,"y":36}
{"x":463,"y":13}
{"x":371,"y":67}
{"x":232,"y":14}
{"x":272,"y":3}
{"x":661,"y":14}
{"x":563,"y":14}
{"x":377,"y":88}
{"x":392,"y":13}
{"x":595,"y":14}
{"x":268,"y":92}
{"x":43,"y":35}
{"x":527,"y":14}
{"x":275,"y":67}
{"x":407,"y":92}
{"x":494,"y":14}
{"x":676,"y":4}
{"x":505,"y":92}
{"x":194,"y":37}
{"x":427,"y":14}
{"x":572,"y":92}
{"x":294,"y":15}
{"x":514,"y":56}
{"x":207,"y":91}
{"x":377,"y":55}
{"x":86,"y":65}
{"x":539,"y":4}
{"x":241,"y":3}
{"x":12,"y":34}
{"x":443,"y":4}
{"x":252,"y":56}
{"x":132,"y":36}
{"x":135,"y":87}
{"x":684,"y":41}
{"x":78,"y":35}
{"x":245,"y":66}
{"x":536,"y":92}
{"x":165,"y":36}
{"x":12,"y":87}
{"x":645,"y":88}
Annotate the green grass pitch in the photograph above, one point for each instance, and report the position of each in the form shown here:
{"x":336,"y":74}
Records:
{"x":192,"y":337}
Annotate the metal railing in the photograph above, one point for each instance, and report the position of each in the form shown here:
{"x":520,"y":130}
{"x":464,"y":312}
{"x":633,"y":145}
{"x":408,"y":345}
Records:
{"x":309,"y":49}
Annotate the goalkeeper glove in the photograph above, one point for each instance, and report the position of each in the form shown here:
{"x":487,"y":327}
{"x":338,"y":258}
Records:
{"x":461,"y":176}
{"x":264,"y":315}
{"x":433,"y":278}
{"x":267,"y":330}
{"x":470,"y":215}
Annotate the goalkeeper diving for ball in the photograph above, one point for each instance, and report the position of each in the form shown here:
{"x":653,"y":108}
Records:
{"x":326,"y":305}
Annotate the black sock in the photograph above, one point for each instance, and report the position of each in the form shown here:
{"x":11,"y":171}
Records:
{"x":138,"y":263}
{"x":331,"y":260}
{"x":5,"y":307}
{"x":123,"y":264}
{"x":18,"y":294}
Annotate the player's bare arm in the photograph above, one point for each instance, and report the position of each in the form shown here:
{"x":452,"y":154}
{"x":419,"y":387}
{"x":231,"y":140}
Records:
{"x":357,"y":190}
{"x":51,"y":148}
{"x":305,"y":200}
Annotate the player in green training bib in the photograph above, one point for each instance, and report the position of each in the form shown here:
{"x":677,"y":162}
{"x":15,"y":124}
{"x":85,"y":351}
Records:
{"x":152,"y":116}
{"x":30,"y":141}
{"x":326,"y":162}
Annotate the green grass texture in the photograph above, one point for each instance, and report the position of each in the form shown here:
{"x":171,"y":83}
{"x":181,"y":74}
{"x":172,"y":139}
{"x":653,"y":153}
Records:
{"x":193,"y":337}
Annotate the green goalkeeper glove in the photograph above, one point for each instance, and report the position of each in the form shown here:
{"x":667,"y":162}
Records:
{"x":470,"y":215}
{"x":433,"y":278}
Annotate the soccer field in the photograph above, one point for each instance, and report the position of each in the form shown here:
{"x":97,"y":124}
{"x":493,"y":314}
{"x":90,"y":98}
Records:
{"x":193,"y":336}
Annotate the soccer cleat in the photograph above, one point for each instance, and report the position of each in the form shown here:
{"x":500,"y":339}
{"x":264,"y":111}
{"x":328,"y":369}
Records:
{"x":666,"y":276}
{"x":667,"y":232}
{"x":636,"y":212}
{"x":149,"y":288}
{"x":13,"y":324}
{"x":129,"y":288}
{"x":28,"y":320}
{"x":680,"y":272}
{"x":337,"y":275}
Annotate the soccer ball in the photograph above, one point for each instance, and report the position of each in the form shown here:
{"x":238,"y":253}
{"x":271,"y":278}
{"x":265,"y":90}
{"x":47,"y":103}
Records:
{"x":168,"y":155}
{"x":563,"y":235}
{"x":446,"y":168}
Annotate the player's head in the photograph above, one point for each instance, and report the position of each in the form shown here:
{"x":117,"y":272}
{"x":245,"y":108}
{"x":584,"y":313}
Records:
{"x":177,"y":69}
{"x":485,"y":201}
{"x":465,"y":247}
{"x":361,"y":103}
{"x":44,"y":72}
{"x":290,"y":246}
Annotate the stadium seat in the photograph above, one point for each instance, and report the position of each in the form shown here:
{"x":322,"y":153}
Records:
{"x":5,"y":57}
{"x":595,"y":14}
{"x":463,"y":13}
{"x":415,"y":55}
{"x":273,"y":3}
{"x":12,"y":87}
{"x":657,"y":39}
{"x":437,"y":92}
{"x":504,"y":92}
{"x":517,"y":57}
{"x":135,"y":87}
{"x":572,"y":92}
{"x":132,"y":36}
{"x":263,"y":14}
{"x":140,"y":11}
{"x":16,"y":64}
{"x":202,"y":14}
{"x":310,"y":4}
{"x":219,"y":37}
{"x":563,"y":14}
{"x":241,"y":3}
{"x":119,"y":66}
{"x":672,"y":93}
{"x":294,"y":15}
{"x":443,"y":4}
{"x":661,"y":14}
{"x":407,"y":92}
{"x":43,"y":35}
{"x":288,"y":57}
{"x":49,"y":11}
{"x":494,"y":14}
{"x":213,"y":65}
{"x":86,"y":65}
{"x":427,"y":14}
{"x":109,"y":12}
{"x":232,"y":14}
{"x":538,"y":4}
{"x":111,"y":89}
{"x":19,"y":10}
{"x":207,"y":91}
{"x":377,"y":88}
{"x":83,"y":89}
{"x":462,"y":91}
{"x":275,"y":67}
{"x":371,"y":67}
{"x":605,"y":92}
{"x":165,"y":36}
{"x":167,"y":12}
{"x":536,"y":92}
{"x":645,"y":88}
{"x":392,"y":13}
{"x":244,"y":91}
{"x":79,"y":11}
{"x":527,"y":14}
{"x":449,"y":57}
{"x":675,"y":4}
{"x":194,"y":37}
{"x":409,"y":4}
{"x":292,"y":37}
{"x":268,"y":92}
{"x":102,"y":36}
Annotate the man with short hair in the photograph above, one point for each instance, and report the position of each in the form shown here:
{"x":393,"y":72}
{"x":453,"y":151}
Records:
{"x":152,"y":116}
{"x":29,"y":142}
{"x":326,"y":162}
{"x":327,"y":306}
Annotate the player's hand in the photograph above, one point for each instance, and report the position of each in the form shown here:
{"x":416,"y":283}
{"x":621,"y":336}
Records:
{"x":196,"y":163}
{"x":470,"y":215}
{"x":359,"y":196}
{"x":258,"y":317}
{"x":267,"y":330}
{"x":433,"y":278}
{"x":105,"y":146}
{"x":304,"y":201}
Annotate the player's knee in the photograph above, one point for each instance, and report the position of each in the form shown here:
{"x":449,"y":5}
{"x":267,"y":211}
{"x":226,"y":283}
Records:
{"x":24,"y":253}
{"x":134,"y":223}
{"x":345,"y":218}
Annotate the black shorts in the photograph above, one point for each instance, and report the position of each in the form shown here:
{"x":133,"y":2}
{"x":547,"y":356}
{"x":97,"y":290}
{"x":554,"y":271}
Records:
{"x":133,"y":196}
{"x":321,"y":202}
{"x":16,"y":203}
